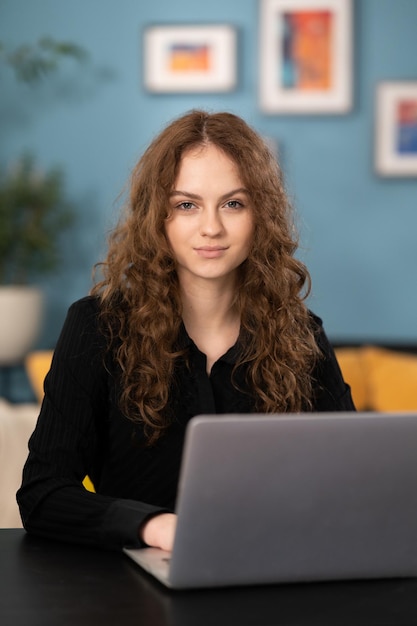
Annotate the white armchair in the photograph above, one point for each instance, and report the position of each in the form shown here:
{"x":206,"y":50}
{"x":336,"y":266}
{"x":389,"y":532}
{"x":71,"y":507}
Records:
{"x":16,"y":425}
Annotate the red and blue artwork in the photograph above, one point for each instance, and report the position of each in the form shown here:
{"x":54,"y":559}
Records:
{"x":406,"y":121}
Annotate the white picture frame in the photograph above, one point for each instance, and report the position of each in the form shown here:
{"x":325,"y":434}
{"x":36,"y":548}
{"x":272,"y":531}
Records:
{"x":396,"y":128}
{"x":190,"y":58}
{"x":305,"y":56}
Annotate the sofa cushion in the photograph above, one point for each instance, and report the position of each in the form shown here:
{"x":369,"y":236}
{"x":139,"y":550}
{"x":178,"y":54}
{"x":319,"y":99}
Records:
{"x":352,"y":365}
{"x":381,"y":379}
{"x":391,"y":379}
{"x":37,"y":365}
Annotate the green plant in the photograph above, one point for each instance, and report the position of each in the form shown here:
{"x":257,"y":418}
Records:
{"x":30,"y":63}
{"x":33,"y":206}
{"x":33,"y":213}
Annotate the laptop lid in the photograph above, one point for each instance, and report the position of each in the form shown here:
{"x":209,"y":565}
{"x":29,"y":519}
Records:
{"x":285,"y":498}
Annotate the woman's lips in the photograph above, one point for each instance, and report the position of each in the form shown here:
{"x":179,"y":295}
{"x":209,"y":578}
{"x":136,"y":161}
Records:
{"x":211,"y":252}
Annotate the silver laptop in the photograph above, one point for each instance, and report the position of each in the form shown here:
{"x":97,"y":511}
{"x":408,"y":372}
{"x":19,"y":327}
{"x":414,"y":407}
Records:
{"x":293,"y":498}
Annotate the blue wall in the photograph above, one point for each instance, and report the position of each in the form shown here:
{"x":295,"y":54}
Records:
{"x":359,"y":231}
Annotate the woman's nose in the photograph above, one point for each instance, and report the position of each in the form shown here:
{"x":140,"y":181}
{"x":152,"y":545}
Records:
{"x":211,"y":224}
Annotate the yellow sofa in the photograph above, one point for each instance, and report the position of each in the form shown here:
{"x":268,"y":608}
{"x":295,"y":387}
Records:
{"x":381,"y":379}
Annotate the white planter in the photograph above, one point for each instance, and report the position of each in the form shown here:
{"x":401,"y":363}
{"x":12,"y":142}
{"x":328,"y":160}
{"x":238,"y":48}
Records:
{"x":21,"y":317}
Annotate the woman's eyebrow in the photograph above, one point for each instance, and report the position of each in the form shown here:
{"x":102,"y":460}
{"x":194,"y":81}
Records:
{"x":195,"y":196}
{"x":188,"y":194}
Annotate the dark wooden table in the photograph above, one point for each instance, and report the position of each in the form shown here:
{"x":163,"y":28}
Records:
{"x":45,"y":583}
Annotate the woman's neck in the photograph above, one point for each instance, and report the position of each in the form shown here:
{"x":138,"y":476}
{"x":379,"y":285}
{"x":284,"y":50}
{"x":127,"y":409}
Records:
{"x":211,"y":319}
{"x":208,"y":303}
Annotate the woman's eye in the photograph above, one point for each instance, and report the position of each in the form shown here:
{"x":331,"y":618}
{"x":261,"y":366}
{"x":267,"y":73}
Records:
{"x":185,"y":206}
{"x":233,"y":204}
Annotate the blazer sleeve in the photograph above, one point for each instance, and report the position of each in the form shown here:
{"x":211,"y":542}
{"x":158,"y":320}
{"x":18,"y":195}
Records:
{"x":331,"y":392}
{"x":67,"y":442}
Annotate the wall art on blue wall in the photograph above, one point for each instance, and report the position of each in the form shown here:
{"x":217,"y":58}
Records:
{"x":305,"y":54}
{"x":189,"y":58}
{"x":396,"y":129}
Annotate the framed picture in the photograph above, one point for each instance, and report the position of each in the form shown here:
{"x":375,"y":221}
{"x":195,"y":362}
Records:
{"x":396,"y":129}
{"x":190,"y":58}
{"x":305,"y":56}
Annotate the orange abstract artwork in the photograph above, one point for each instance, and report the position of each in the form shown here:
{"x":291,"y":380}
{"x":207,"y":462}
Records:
{"x":189,"y":58}
{"x":307,"y":52}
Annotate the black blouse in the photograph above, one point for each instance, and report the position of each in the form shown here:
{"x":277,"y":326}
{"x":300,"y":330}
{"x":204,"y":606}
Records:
{"x":81,"y":431}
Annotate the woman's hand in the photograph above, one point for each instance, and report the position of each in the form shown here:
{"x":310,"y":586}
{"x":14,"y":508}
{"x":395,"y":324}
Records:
{"x":159,"y":531}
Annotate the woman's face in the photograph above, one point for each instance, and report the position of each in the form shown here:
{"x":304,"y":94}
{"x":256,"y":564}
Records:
{"x":210,"y":224}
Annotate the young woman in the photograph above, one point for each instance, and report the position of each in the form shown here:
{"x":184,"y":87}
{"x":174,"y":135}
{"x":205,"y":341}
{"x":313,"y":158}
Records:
{"x":200,"y":309}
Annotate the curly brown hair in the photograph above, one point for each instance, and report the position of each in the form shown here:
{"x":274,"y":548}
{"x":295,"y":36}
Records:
{"x":139,"y":290}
